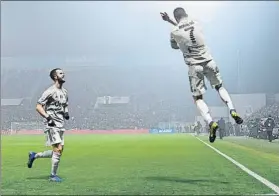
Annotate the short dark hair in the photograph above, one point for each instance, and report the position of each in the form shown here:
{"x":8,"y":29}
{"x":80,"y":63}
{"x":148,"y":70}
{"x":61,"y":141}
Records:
{"x":52,"y":73}
{"x":179,"y":13}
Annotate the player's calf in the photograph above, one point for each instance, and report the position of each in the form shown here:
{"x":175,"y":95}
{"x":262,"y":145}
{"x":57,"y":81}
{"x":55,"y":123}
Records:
{"x":224,"y":95}
{"x":44,"y":154}
{"x":204,"y":111}
{"x":56,"y":155}
{"x":32,"y":156}
{"x":203,"y":108}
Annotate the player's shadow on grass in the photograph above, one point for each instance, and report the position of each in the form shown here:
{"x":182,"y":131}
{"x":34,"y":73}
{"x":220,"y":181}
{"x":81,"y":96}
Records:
{"x":37,"y":178}
{"x":180,"y":180}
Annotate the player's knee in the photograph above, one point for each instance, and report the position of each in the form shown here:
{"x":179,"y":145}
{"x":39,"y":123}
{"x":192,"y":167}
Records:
{"x":217,"y":87}
{"x":58,"y":148}
{"x":197,"y":97}
{"x":61,"y":149}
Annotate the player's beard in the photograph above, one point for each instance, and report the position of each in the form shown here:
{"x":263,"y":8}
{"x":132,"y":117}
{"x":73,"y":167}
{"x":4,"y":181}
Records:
{"x":61,"y":80}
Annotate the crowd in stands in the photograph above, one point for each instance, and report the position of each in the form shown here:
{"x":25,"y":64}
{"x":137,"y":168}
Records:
{"x":104,"y":117}
{"x":255,"y":122}
{"x":263,"y":113}
{"x":150,"y":103}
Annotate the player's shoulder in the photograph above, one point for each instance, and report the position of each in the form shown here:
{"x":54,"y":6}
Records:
{"x":174,"y":29}
{"x":49,"y":89}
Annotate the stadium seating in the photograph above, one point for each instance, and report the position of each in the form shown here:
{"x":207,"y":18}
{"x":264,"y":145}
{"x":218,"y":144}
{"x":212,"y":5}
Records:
{"x":150,"y":104}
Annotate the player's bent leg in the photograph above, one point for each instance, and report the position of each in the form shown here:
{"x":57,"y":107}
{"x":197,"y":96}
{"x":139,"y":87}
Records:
{"x":32,"y":156}
{"x":44,"y":154}
{"x":213,"y":75}
{"x":198,"y":88}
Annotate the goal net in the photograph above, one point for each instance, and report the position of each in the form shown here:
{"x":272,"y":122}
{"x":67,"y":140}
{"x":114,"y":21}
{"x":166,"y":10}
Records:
{"x":26,"y":126}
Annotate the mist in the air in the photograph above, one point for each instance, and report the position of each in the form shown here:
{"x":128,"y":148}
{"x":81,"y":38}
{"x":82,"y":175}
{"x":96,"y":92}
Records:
{"x":242,"y":36}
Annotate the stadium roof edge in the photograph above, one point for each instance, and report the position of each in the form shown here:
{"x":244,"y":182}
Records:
{"x":11,"y":102}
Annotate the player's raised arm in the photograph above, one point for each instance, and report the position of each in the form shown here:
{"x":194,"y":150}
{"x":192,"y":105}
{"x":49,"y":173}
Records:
{"x":166,"y":17}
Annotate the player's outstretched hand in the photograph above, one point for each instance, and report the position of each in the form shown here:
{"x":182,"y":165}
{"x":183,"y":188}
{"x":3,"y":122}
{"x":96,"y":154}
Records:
{"x":165,"y":16}
{"x":66,"y":116}
{"x":50,"y":121}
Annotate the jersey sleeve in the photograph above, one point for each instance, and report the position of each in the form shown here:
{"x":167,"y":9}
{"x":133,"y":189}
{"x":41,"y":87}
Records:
{"x":66,"y":109}
{"x":67,"y":98}
{"x":44,"y":98}
{"x":67,"y":101}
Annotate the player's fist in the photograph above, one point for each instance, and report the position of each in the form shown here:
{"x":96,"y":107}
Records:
{"x":66,"y":116}
{"x":165,"y":16}
{"x":50,"y":121}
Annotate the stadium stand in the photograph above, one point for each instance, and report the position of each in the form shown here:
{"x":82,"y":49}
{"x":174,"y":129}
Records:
{"x":147,"y":106}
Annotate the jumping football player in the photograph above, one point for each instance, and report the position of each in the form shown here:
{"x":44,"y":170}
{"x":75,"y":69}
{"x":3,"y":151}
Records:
{"x":187,"y":36}
{"x":53,"y":107}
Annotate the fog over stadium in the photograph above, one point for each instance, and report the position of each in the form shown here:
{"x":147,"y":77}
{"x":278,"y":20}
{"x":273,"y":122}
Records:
{"x":122,"y":49}
{"x":134,"y":119}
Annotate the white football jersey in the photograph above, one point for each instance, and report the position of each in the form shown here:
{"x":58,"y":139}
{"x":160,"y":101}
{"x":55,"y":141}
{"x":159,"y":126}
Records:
{"x":54,"y":101}
{"x":189,"y":37}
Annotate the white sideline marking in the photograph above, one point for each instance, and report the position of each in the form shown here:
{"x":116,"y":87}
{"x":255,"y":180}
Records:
{"x":248,"y":171}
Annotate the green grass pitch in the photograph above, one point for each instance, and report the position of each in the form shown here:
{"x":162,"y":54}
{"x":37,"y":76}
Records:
{"x":166,"y":164}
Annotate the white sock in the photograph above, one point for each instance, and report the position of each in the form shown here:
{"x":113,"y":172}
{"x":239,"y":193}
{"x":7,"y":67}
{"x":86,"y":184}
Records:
{"x":45,"y":154}
{"x":55,"y":162}
{"x":226,"y":97}
{"x":204,"y":111}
